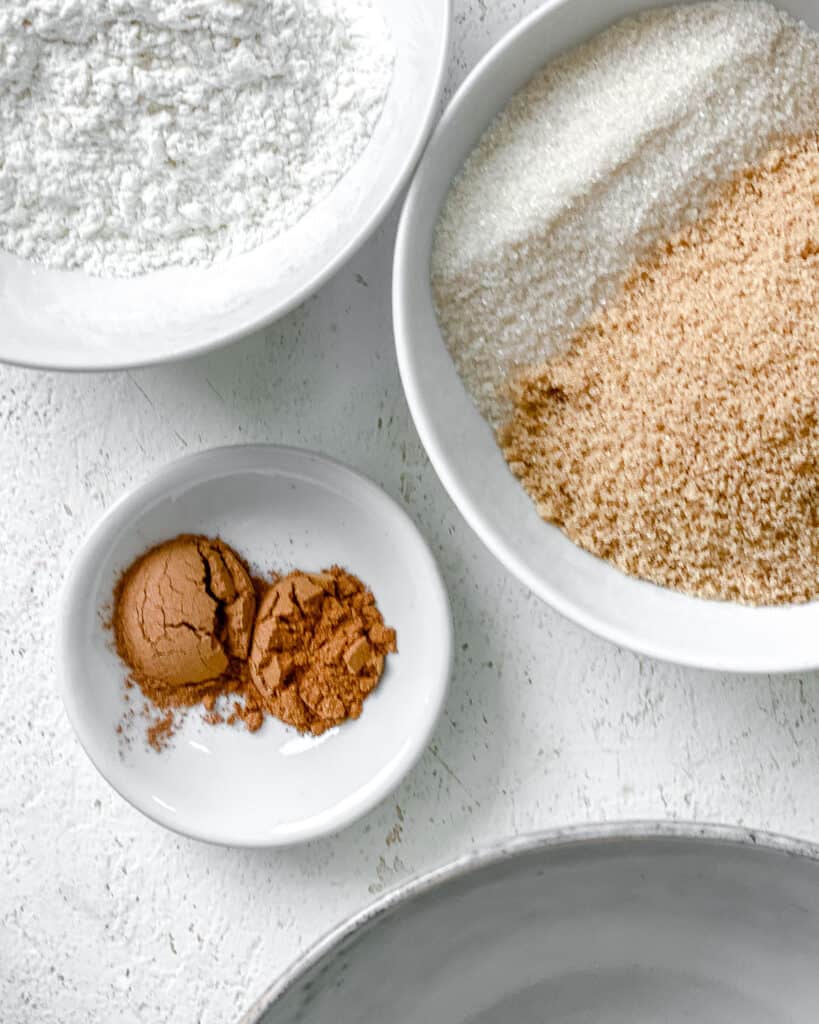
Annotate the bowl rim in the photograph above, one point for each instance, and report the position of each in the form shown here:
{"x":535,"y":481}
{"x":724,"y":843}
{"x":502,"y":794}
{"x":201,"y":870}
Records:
{"x":213,"y":341}
{"x":133,"y":500}
{"x":569,"y":837}
{"x":405,"y":270}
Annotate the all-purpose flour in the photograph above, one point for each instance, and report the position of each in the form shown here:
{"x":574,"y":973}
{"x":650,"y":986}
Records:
{"x":135,"y":134}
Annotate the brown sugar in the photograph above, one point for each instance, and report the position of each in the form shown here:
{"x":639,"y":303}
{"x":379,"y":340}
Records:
{"x":678,"y":437}
{"x":318,"y":649}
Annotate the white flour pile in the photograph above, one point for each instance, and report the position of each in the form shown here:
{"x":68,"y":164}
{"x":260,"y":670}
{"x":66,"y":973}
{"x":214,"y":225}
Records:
{"x":135,"y":134}
{"x":608,"y":150}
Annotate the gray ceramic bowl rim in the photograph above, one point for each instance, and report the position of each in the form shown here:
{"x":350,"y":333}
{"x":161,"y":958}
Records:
{"x":577,"y":835}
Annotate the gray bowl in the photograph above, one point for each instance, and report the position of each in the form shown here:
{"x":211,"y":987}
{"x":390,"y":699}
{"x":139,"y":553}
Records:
{"x":636,"y":923}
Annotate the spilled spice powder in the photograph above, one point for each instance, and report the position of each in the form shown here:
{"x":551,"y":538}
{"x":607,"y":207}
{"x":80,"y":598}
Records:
{"x":161,"y":731}
{"x":678,"y":437}
{"x":185,"y":614}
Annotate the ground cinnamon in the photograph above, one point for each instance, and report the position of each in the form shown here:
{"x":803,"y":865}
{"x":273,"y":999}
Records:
{"x":318,"y":649}
{"x":186,"y":623}
{"x":183,"y":619}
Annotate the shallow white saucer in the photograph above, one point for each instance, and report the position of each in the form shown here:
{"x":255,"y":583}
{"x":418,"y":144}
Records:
{"x":282,"y":508}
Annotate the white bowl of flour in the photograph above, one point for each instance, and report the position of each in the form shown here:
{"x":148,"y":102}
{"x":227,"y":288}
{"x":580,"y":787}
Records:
{"x":176,"y":174}
{"x":594,"y":214}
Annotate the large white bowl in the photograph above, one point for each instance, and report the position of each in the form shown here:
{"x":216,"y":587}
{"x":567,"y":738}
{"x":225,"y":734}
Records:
{"x":70,"y":321}
{"x":628,"y":924}
{"x":639,"y":615}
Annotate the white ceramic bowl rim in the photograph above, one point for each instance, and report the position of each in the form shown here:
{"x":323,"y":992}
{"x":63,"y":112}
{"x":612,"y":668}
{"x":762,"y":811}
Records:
{"x":572,"y":836}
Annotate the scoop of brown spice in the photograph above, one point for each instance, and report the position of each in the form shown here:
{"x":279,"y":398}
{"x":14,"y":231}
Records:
{"x":182,"y":612}
{"x":318,"y":649}
{"x":185,"y":613}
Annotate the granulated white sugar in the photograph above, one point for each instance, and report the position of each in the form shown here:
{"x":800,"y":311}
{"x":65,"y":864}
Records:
{"x":611,"y":148}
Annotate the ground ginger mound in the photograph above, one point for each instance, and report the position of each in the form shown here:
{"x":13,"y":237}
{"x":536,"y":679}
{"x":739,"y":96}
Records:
{"x":678,"y":436}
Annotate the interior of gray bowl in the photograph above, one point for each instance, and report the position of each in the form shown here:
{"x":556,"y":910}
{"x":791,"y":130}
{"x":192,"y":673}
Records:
{"x":622,"y":929}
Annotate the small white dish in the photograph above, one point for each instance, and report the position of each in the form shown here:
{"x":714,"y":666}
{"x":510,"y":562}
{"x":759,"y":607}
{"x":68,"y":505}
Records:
{"x":282,"y":508}
{"x":70,"y":321}
{"x":462,"y":448}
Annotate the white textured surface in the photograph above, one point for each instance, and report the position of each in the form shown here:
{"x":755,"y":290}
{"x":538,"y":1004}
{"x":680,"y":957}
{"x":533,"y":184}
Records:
{"x":104,"y":916}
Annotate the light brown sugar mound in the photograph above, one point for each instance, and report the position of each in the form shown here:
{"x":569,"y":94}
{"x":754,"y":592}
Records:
{"x":678,"y":437}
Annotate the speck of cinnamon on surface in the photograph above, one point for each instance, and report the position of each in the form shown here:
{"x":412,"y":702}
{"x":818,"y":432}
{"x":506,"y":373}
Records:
{"x":678,"y":436}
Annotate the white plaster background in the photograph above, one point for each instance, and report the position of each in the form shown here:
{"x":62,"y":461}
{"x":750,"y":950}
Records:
{"x":104,"y":916}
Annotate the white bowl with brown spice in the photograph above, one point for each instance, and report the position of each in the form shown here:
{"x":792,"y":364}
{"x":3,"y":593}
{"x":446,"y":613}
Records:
{"x":223,"y":671}
{"x":516,"y":329}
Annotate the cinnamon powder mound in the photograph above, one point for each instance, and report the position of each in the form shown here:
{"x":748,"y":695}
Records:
{"x":183,"y":618}
{"x":318,"y":649}
{"x":678,"y":437}
{"x":184,"y":615}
